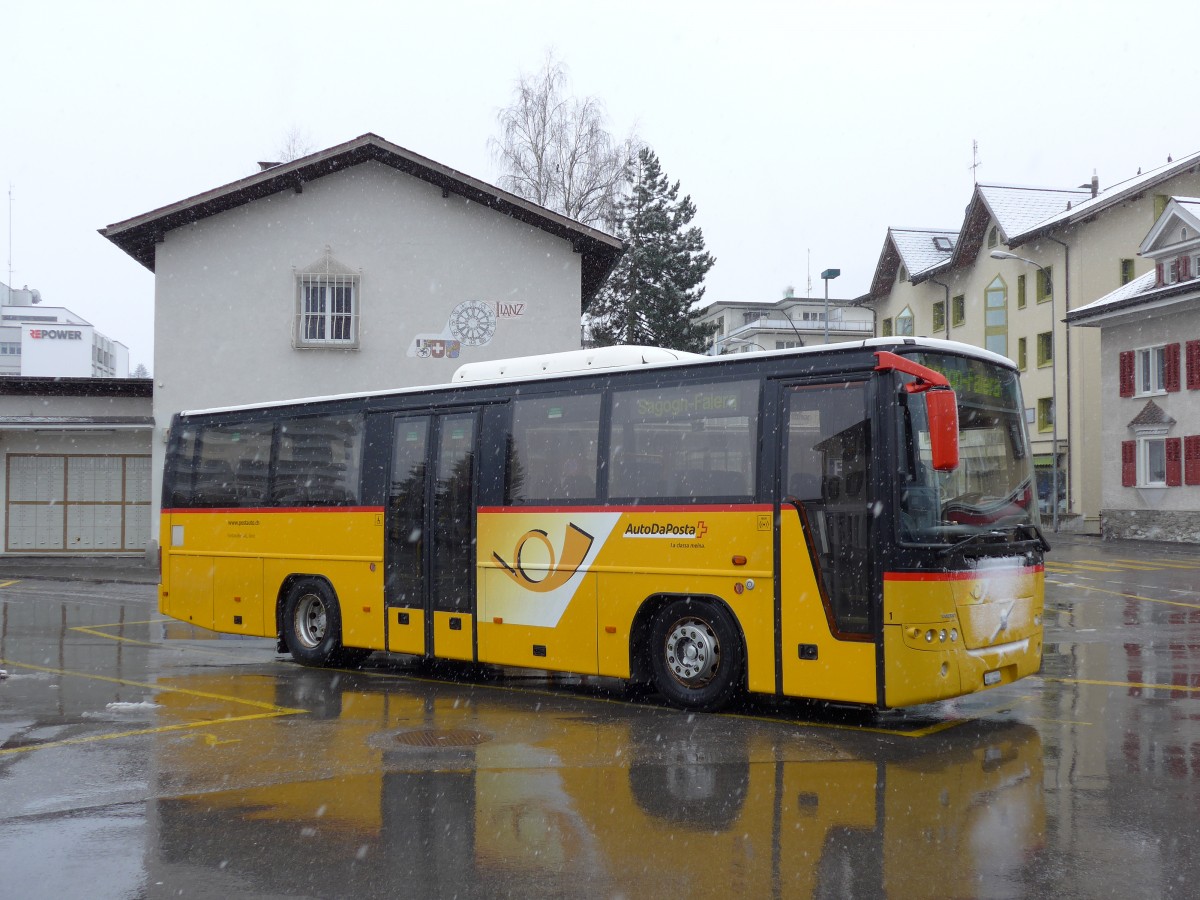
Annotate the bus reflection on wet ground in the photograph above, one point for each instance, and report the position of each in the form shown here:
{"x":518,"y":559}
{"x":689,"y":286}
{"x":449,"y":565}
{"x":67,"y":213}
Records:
{"x":443,"y":789}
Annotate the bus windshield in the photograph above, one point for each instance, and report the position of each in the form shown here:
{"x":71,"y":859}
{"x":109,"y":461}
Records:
{"x":993,"y":487}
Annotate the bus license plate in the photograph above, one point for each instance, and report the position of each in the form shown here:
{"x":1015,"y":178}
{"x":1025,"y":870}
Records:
{"x":990,"y":678}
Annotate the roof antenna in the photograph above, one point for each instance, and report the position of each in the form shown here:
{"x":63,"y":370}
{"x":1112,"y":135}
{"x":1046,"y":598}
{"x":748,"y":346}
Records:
{"x":8,"y":285}
{"x":976,"y":162}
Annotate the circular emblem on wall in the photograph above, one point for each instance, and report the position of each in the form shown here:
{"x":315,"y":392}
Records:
{"x":473,"y":322}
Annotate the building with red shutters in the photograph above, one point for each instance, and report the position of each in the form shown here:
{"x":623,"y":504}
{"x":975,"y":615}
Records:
{"x":1150,"y":364}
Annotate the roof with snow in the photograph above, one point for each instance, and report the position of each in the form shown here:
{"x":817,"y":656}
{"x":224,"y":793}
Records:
{"x":1021,"y":214}
{"x":1139,"y":293}
{"x":920,"y":250}
{"x":138,"y":236}
{"x":1113,"y":195}
{"x":1017,"y":209}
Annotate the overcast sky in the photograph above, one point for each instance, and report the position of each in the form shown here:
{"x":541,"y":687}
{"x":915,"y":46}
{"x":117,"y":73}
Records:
{"x":797,"y":128}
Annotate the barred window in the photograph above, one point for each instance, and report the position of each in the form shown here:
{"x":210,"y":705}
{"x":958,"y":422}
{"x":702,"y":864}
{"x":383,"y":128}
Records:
{"x":328,"y":310}
{"x":327,"y":305}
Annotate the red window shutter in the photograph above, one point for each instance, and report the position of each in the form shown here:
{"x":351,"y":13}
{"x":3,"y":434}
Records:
{"x":1127,"y":380}
{"x":1184,"y":264}
{"x":1171,"y":352}
{"x":1193,"y":365}
{"x":1128,"y":463}
{"x":1158,"y":274}
{"x":1174,"y":447}
{"x":1191,"y":459}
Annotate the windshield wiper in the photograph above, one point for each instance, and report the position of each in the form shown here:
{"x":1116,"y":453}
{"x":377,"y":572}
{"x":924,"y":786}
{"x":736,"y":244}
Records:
{"x":1028,"y":531}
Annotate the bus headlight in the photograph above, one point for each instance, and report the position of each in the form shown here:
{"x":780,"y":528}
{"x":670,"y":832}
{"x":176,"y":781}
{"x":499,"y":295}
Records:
{"x":953,"y":635}
{"x":929,"y":636}
{"x":942,"y":635}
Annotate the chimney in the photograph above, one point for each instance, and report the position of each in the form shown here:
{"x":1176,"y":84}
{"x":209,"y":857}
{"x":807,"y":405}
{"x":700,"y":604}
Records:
{"x":1095,"y":183}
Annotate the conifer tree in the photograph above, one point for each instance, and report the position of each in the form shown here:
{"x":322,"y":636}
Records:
{"x":651,"y":294}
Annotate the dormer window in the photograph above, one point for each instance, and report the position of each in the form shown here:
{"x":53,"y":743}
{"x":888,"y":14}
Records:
{"x":993,"y":238}
{"x":903,"y":273}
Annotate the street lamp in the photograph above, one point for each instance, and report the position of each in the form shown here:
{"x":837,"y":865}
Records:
{"x":739,"y":340}
{"x":827,"y":276}
{"x":1004,"y":254}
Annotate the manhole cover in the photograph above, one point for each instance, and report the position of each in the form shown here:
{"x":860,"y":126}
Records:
{"x":441,"y":738}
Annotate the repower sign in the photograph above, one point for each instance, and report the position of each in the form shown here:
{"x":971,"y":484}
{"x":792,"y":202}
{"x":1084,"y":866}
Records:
{"x":55,"y":334}
{"x":57,"y":350}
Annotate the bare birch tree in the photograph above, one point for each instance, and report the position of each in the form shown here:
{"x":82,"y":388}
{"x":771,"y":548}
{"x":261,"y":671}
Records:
{"x":296,"y":143}
{"x":556,"y":150}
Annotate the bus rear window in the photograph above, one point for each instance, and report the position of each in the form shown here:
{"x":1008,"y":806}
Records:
{"x":685,"y":442}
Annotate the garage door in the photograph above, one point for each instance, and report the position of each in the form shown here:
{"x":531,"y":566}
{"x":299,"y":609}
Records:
{"x":73,"y":503}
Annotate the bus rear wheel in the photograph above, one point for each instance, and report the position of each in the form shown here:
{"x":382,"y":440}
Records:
{"x":696,"y":654}
{"x":312,"y":626}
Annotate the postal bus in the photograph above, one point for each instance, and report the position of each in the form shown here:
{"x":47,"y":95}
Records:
{"x":854,"y":523}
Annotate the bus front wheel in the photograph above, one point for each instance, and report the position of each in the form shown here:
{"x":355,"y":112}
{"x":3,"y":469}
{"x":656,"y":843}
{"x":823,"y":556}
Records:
{"x":312,"y":624}
{"x":697,"y":655}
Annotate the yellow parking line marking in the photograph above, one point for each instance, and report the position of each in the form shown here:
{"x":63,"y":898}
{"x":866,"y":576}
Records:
{"x":1127,"y":684}
{"x":1159,"y":563}
{"x":143,"y":622}
{"x":8,"y":584}
{"x":1113,"y":564}
{"x":271,"y":710}
{"x":1128,"y":596}
{"x":161,"y":729}
{"x":113,"y":637}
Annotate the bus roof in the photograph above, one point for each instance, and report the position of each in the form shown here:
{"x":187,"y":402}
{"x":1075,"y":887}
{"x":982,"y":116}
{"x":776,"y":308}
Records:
{"x":613,"y":359}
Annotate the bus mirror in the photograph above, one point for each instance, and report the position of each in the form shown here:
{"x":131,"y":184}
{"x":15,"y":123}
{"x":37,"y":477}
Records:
{"x":942,"y":408}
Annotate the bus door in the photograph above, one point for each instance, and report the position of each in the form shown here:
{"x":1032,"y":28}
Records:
{"x":429,"y":557}
{"x":826,"y":539}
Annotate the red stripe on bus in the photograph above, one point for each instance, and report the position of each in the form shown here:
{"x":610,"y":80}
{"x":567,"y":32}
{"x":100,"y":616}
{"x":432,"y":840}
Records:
{"x":959,"y":576}
{"x":260,"y":510}
{"x":702,"y":508}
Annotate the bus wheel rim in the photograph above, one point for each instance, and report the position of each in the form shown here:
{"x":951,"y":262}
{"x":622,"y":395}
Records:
{"x":310,"y":620}
{"x":693,"y":652}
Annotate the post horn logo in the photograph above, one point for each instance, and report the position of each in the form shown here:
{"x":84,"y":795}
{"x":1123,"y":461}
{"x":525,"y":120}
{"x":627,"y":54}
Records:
{"x":543,"y":578}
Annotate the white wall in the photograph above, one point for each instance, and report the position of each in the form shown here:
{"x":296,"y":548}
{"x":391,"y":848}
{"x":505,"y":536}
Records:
{"x":57,"y":350}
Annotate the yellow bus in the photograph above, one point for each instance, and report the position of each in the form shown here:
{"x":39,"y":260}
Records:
{"x":854,"y":523}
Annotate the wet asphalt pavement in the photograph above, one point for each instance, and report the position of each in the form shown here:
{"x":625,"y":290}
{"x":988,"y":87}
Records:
{"x":143,"y":759}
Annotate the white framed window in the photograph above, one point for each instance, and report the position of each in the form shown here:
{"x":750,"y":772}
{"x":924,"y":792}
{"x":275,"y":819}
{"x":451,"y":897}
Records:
{"x":1151,"y":371}
{"x":327,"y":306}
{"x":1152,"y":460}
{"x":904,"y":322}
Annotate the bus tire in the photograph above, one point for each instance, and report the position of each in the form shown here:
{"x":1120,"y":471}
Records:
{"x":696,"y":654}
{"x":312,"y":624}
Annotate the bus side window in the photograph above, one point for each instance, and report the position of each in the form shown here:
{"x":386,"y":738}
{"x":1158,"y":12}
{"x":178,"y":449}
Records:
{"x":223,"y":449}
{"x":319,"y":461}
{"x":688,"y":441}
{"x":554,"y":448}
